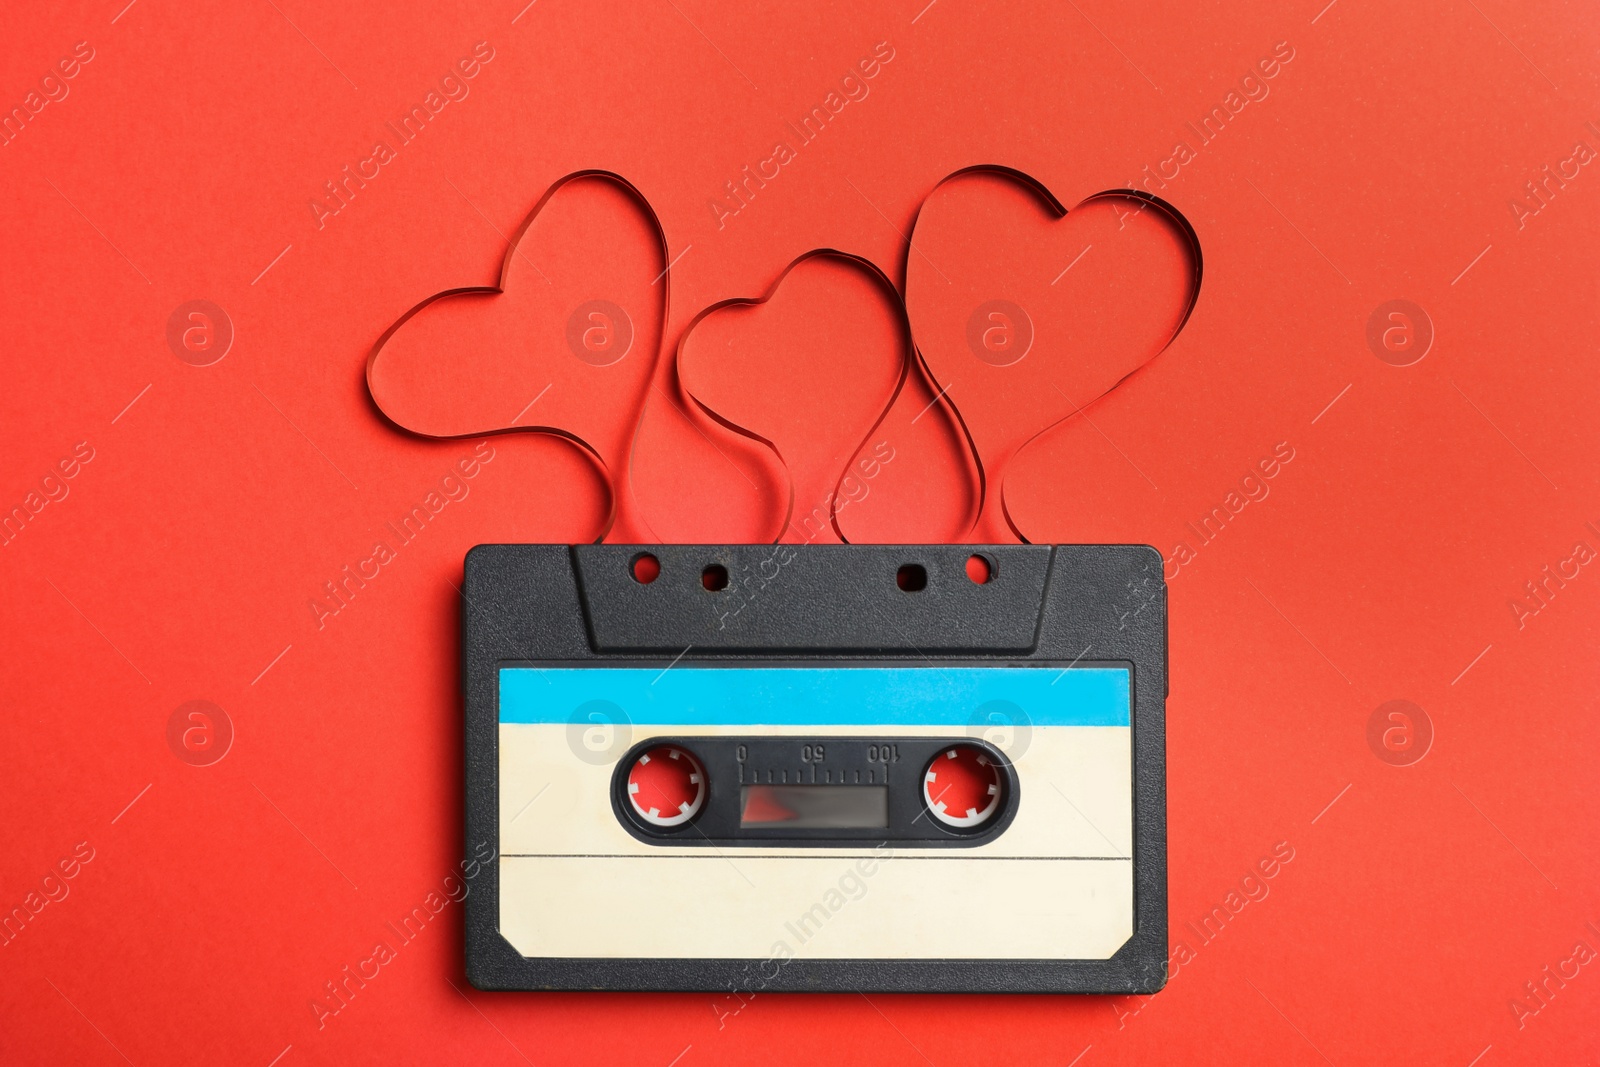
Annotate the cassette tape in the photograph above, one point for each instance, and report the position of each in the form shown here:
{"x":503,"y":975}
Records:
{"x":791,"y":767}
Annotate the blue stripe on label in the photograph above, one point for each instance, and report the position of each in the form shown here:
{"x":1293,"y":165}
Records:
{"x":816,"y":696}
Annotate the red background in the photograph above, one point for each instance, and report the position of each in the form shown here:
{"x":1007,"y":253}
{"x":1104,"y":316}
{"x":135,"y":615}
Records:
{"x":1382,"y":565}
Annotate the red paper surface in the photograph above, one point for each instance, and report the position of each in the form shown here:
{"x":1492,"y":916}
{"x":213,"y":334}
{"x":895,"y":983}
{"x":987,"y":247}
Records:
{"x":1346,"y":525}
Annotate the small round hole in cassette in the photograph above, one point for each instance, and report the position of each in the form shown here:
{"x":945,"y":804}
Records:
{"x":962,"y":787}
{"x":666,"y":786}
{"x":979,"y":569}
{"x":646,"y":568}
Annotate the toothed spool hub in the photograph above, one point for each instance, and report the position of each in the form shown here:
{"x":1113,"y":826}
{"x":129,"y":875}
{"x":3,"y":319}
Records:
{"x":962,"y":787}
{"x":666,"y":786}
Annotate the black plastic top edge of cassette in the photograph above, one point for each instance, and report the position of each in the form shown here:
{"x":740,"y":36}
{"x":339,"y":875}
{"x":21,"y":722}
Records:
{"x":1076,"y":604}
{"x":900,"y":598}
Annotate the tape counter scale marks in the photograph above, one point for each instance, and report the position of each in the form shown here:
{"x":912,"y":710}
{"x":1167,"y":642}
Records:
{"x":818,"y":696}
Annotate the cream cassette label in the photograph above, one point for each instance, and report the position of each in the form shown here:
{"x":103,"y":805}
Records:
{"x":911,"y":805}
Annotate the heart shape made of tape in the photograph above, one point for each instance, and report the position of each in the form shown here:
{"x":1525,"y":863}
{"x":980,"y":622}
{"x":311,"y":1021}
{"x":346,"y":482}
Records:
{"x":1024,"y":313}
{"x":565,"y":344}
{"x":807,"y":370}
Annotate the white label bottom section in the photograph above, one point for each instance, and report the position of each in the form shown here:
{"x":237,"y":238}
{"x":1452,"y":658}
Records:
{"x":886,"y":904}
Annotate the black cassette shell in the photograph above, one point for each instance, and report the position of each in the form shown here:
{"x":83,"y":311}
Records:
{"x":825,"y":603}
